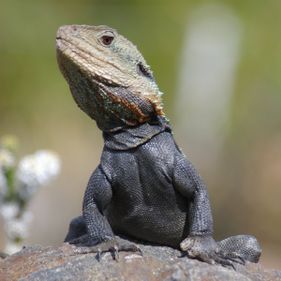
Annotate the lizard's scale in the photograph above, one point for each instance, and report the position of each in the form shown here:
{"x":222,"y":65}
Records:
{"x":144,"y":187}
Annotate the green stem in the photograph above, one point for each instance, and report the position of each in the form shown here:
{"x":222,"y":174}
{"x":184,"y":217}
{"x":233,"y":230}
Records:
{"x":10,"y":177}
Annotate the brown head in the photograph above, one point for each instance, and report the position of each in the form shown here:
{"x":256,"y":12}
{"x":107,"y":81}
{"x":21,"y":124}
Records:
{"x":108,"y":77}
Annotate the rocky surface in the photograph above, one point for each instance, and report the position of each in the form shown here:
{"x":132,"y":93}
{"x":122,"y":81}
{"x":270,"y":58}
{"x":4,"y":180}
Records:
{"x":158,"y":263}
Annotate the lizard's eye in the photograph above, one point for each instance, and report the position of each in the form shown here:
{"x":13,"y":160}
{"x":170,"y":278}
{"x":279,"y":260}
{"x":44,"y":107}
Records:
{"x":107,"y":38}
{"x":144,"y":71}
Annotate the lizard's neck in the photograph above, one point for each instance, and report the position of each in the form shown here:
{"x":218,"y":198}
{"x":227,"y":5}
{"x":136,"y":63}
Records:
{"x":132,"y":137}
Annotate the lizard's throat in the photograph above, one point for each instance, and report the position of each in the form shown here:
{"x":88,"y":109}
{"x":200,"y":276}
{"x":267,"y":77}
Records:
{"x":111,"y":107}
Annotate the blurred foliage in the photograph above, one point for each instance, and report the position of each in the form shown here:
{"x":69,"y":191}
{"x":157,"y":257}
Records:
{"x":35,"y":103}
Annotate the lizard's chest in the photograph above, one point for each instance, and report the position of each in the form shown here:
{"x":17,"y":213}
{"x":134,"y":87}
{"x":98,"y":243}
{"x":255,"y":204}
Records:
{"x":144,"y":201}
{"x":142,"y":177}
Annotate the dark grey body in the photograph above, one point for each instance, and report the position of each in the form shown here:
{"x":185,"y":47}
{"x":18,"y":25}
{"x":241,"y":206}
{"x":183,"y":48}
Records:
{"x":146,"y":202}
{"x":146,"y":188}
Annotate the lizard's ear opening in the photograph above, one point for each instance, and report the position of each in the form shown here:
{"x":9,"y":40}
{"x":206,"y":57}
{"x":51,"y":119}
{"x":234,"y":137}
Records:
{"x":144,"y":70}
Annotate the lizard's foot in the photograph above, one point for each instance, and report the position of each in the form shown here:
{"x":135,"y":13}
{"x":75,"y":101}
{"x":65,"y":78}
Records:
{"x":113,"y":246}
{"x":206,"y":249}
{"x":245,"y":246}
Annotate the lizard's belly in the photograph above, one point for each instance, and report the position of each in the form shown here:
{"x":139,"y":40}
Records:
{"x":157,"y":223}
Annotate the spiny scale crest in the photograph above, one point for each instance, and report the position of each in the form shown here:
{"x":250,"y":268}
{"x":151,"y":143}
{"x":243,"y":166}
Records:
{"x":107,"y":75}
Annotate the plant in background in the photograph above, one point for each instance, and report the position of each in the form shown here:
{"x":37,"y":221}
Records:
{"x":19,"y":181}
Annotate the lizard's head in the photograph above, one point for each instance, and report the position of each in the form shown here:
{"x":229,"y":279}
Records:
{"x":107,"y":75}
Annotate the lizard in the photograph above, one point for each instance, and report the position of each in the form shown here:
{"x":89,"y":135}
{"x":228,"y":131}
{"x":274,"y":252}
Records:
{"x":144,"y":187}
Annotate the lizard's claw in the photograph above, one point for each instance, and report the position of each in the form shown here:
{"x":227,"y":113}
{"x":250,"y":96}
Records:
{"x":124,"y":246}
{"x":232,"y":256}
{"x":113,"y":246}
{"x":206,"y":249}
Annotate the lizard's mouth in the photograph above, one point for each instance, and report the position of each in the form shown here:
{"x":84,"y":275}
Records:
{"x":65,"y":39}
{"x":62,"y":43}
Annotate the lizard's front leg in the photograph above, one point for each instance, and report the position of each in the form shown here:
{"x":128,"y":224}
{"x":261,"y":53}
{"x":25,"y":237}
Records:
{"x":199,"y":242}
{"x":95,"y":232}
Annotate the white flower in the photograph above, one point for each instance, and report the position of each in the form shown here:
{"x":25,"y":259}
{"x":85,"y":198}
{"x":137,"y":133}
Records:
{"x":9,"y":211}
{"x":18,"y":227}
{"x":12,"y":248}
{"x":37,"y":169}
{"x":7,"y":159}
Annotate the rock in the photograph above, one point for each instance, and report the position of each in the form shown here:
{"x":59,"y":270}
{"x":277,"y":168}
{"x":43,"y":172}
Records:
{"x":37,"y":263}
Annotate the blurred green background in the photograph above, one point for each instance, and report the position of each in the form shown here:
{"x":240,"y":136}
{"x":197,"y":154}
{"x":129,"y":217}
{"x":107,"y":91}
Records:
{"x":218,"y":64}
